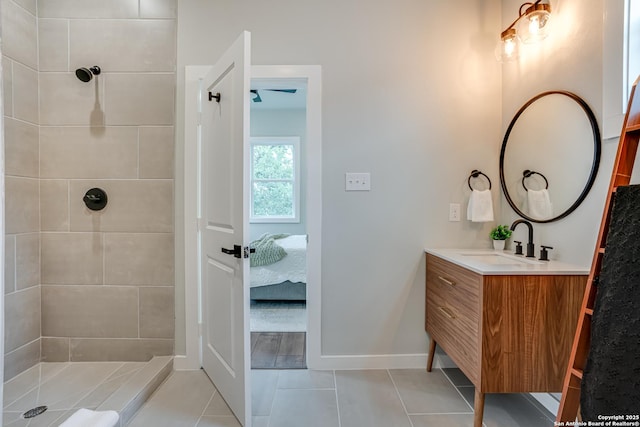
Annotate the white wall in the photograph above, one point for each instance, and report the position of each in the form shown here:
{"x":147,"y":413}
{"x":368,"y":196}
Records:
{"x":411,"y":94}
{"x":283,"y":123}
{"x":571,"y":58}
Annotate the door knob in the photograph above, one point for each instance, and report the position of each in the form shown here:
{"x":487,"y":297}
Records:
{"x":236,"y":251}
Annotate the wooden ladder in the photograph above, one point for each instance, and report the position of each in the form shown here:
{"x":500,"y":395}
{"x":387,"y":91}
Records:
{"x":621,"y":176}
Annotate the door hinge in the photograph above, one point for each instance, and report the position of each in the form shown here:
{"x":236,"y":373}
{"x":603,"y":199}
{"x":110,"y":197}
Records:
{"x":248,"y":250}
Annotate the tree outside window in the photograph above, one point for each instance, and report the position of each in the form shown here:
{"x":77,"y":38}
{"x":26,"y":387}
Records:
{"x":275,"y":179}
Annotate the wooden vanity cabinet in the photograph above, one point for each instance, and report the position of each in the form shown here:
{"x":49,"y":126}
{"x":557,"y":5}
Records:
{"x":507,"y":333}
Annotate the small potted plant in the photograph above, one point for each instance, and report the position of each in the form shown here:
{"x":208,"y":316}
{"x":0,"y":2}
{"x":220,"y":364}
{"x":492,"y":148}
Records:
{"x":499,"y":234}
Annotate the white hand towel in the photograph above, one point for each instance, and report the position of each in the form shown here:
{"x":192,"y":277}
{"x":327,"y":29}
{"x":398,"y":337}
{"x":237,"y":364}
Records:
{"x":480,"y":207}
{"x":539,"y":204}
{"x":88,"y":418}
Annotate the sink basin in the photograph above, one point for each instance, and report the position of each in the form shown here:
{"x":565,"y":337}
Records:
{"x":499,"y":258}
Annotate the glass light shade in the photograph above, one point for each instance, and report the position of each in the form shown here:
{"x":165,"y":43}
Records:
{"x":508,"y":48}
{"x":534,"y":25}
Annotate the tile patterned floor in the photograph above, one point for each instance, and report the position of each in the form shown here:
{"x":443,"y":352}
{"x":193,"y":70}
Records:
{"x":63,"y":387}
{"x":371,"y":398}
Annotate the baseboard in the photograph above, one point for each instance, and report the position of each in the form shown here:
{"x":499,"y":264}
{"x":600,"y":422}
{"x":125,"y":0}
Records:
{"x":441,"y":360}
{"x":382,"y":361}
{"x":349,"y":362}
{"x":185,"y":363}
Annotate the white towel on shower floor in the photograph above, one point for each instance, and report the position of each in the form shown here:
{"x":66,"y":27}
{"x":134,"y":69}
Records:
{"x":88,"y":418}
{"x":480,"y":207}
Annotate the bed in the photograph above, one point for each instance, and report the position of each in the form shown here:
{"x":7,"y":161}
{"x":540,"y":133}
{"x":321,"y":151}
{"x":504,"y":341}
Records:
{"x":285,"y":279}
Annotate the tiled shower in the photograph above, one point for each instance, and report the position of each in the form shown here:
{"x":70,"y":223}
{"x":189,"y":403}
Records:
{"x":83,"y":285}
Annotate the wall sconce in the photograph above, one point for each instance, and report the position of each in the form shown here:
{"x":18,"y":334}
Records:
{"x":529,"y":27}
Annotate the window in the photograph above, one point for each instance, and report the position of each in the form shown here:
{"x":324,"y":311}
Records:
{"x":632,"y":49}
{"x":621,"y":61}
{"x":275,"y":179}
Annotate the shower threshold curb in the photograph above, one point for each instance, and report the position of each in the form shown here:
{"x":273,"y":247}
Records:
{"x":131,"y":395}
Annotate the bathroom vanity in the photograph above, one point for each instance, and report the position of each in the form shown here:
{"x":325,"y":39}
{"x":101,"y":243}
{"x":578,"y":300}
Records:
{"x":506,"y":321}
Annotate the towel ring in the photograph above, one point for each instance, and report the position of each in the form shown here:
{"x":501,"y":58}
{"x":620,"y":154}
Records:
{"x":527,"y":173}
{"x":474,"y":174}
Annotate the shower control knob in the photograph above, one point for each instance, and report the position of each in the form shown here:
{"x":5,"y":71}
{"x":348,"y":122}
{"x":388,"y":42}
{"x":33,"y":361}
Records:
{"x":95,"y":199}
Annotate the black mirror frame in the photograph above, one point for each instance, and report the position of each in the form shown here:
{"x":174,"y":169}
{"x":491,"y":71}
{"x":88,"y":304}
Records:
{"x":597,"y":147}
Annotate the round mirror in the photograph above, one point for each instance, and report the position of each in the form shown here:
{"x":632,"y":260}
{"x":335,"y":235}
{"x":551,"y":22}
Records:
{"x":550,"y":156}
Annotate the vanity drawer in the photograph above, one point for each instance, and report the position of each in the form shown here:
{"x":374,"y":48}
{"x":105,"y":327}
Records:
{"x":457,"y":286}
{"x":455,"y":331}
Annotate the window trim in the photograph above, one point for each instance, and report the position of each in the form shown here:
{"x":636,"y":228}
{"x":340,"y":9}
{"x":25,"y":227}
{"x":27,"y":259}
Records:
{"x":277,"y":140}
{"x":615,"y":60}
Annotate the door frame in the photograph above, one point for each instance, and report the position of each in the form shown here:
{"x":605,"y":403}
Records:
{"x":193,"y":319}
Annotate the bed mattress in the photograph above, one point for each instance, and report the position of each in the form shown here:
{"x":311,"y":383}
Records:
{"x":292,"y":268}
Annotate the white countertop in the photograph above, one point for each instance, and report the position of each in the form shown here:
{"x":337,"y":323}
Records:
{"x":489,"y":262}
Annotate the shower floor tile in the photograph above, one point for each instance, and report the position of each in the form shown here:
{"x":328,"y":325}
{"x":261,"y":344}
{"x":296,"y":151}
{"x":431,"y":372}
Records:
{"x":63,"y":388}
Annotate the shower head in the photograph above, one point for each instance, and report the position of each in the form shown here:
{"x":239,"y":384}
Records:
{"x":86,"y":74}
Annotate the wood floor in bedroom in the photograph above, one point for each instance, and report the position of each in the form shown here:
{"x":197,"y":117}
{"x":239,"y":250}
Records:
{"x":278,"y":350}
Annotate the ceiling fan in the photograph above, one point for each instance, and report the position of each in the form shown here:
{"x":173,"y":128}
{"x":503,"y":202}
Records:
{"x":256,"y":97}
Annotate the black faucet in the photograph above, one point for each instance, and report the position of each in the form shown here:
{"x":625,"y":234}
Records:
{"x":530,"y":246}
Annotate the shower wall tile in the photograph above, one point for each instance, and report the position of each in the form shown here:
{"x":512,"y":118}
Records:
{"x":102,"y":282}
{"x":134,"y":206}
{"x":22,"y":213}
{"x":20,"y":360}
{"x":156,"y":152}
{"x":140,"y":99}
{"x":85,"y":152}
{"x":9,"y":263}
{"x":21,"y":148}
{"x":21,"y":167}
{"x":65,"y":100}
{"x":89,"y":311}
{"x":53,"y":36}
{"x":158,"y":8}
{"x":22,"y":318}
{"x":72,"y":258}
{"x":139,"y":259}
{"x":55,"y":349}
{"x":7,"y":85}
{"x":27,"y":260}
{"x":19,"y":34}
{"x":54,"y":205}
{"x":88,"y":9}
{"x":25,"y":93}
{"x":157,"y":312}
{"x":140,"y":350}
{"x":123,"y":45}
{"x":29,"y":5}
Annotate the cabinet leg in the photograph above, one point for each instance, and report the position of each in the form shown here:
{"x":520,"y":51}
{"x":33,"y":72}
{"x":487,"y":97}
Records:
{"x":432,"y":351}
{"x":478,"y":408}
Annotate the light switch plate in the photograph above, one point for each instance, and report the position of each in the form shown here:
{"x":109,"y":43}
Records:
{"x":357,"y":181}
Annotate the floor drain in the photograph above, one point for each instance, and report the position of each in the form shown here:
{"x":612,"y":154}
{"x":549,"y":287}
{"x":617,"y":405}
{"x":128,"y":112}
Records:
{"x":34,"y":412}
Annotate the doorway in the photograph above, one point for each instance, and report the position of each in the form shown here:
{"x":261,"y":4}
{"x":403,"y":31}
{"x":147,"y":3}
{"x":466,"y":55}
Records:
{"x":307,"y":78}
{"x":192,"y":359}
{"x":277,"y":224}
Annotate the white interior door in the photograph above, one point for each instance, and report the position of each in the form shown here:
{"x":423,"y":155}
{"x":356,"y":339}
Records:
{"x":223,"y":222}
